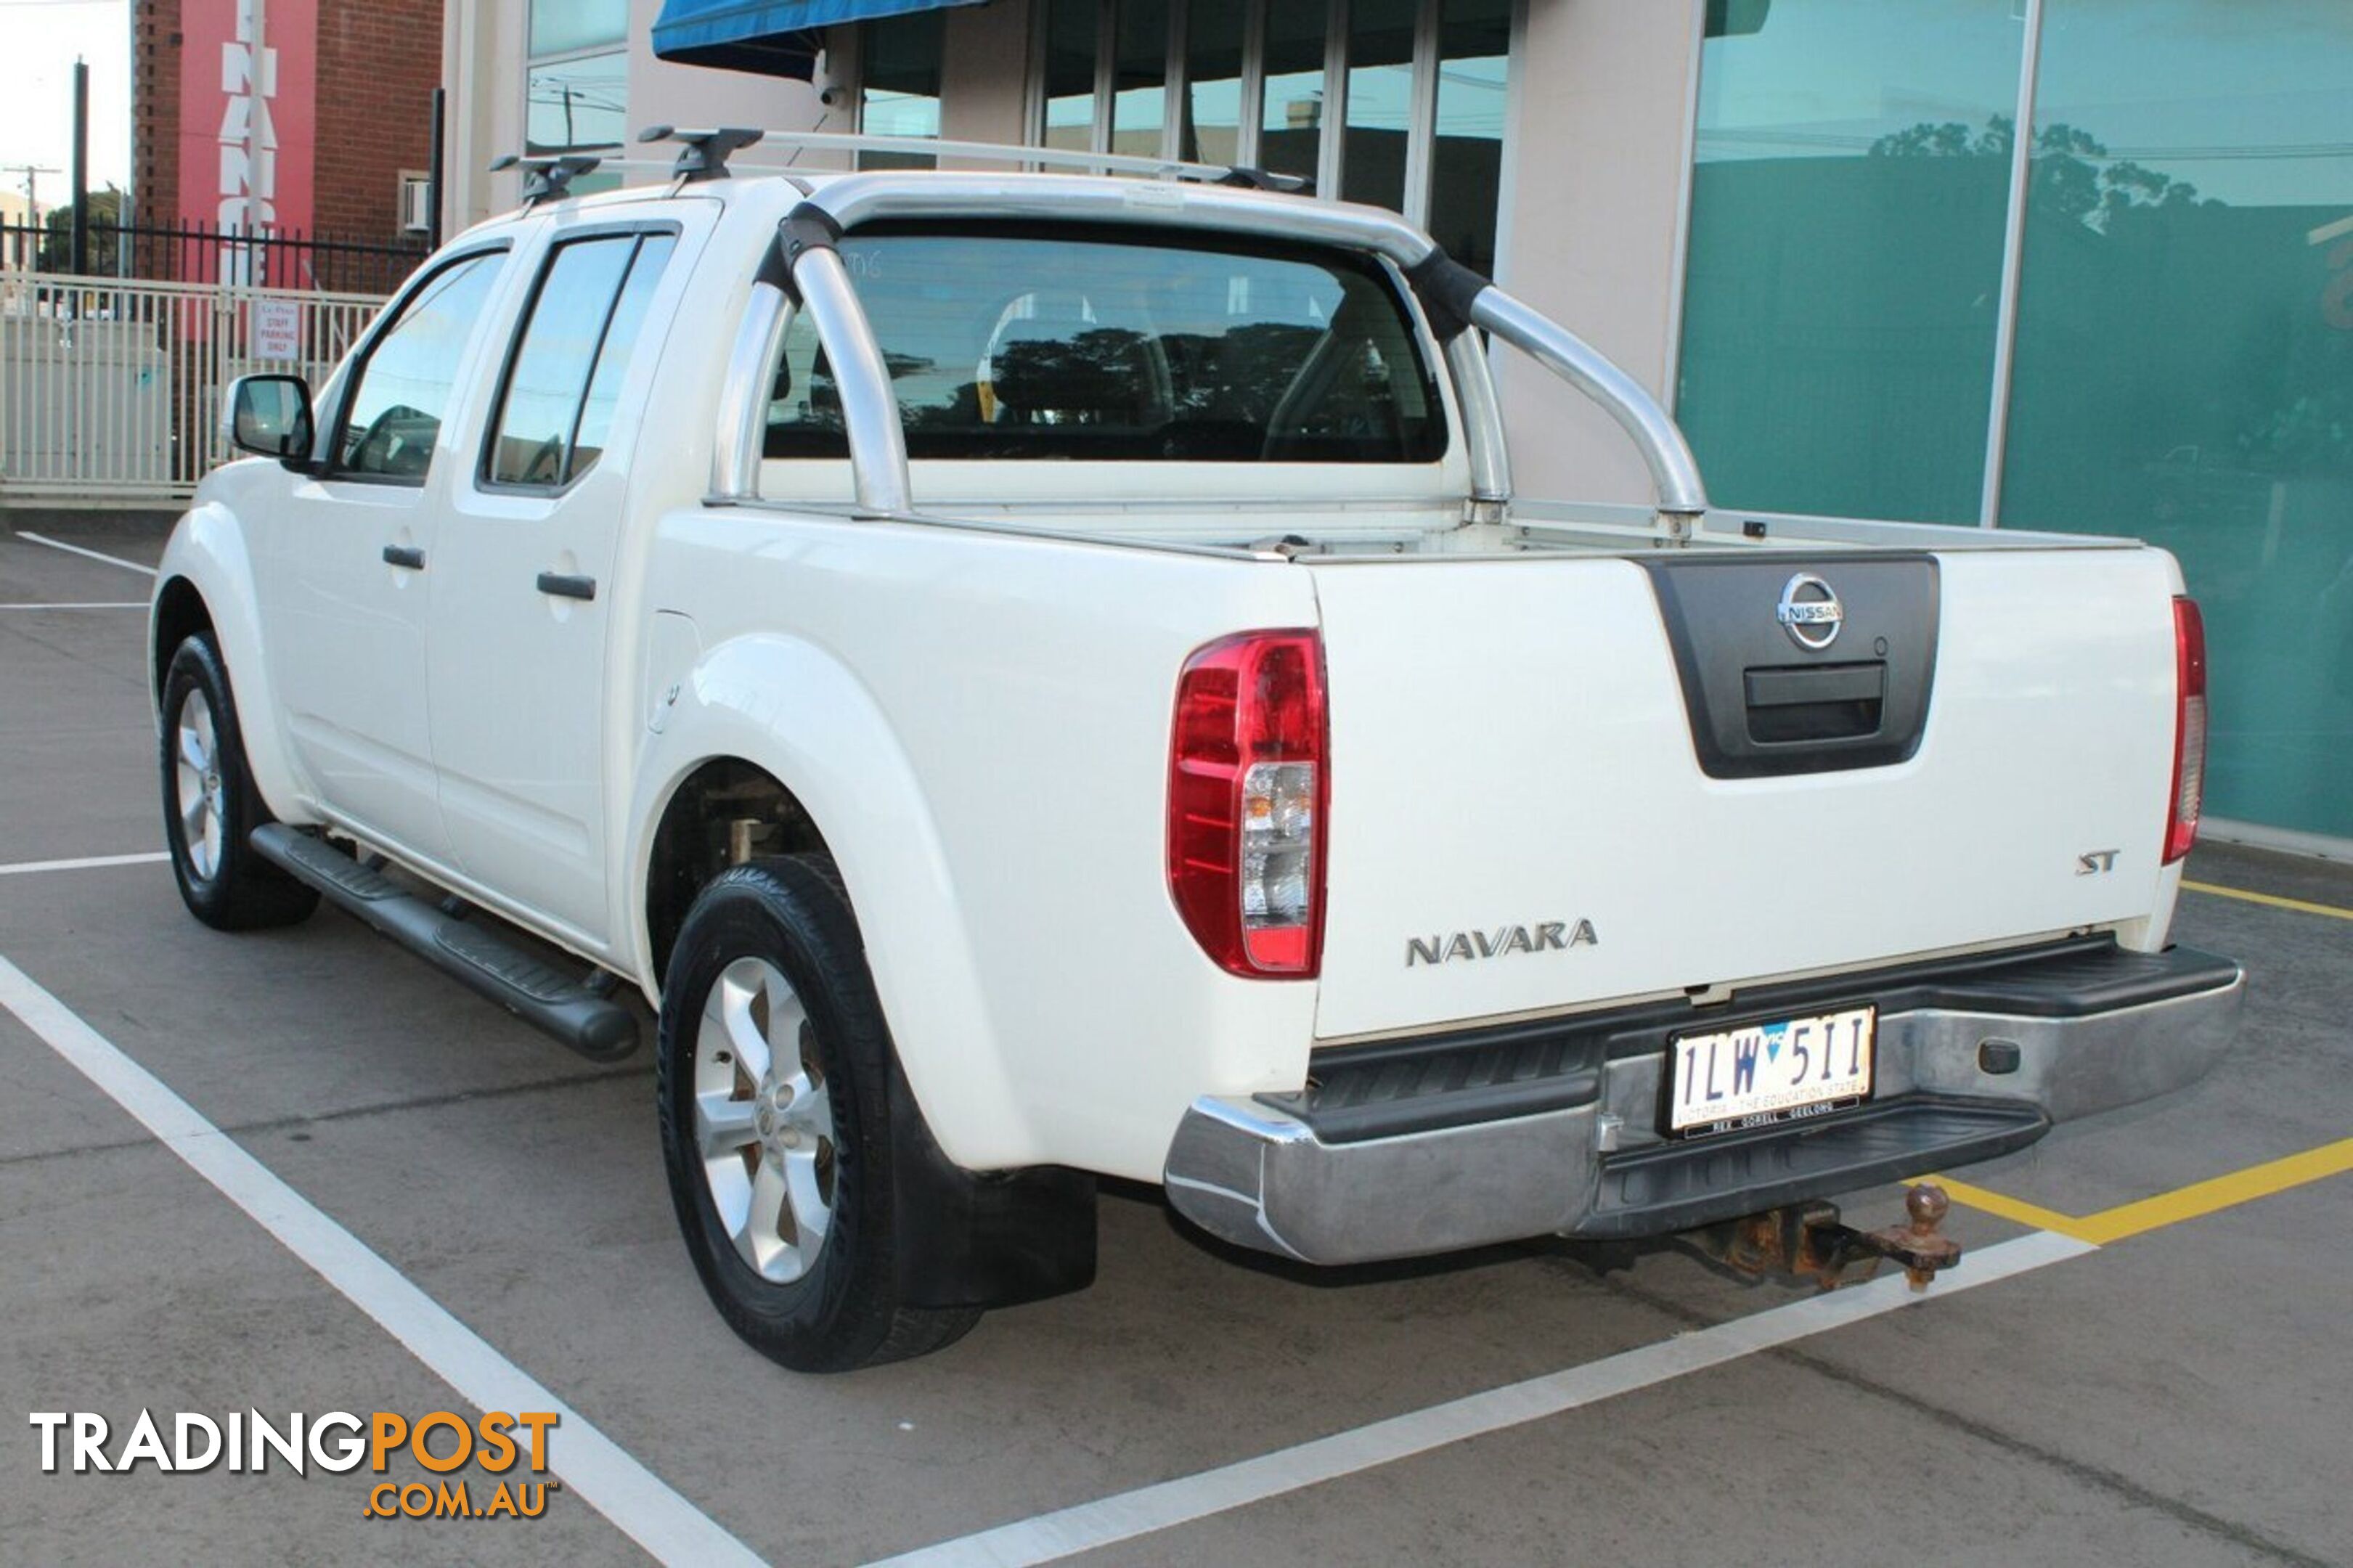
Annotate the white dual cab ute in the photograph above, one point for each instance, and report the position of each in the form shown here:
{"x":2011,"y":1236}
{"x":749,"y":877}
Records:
{"x":1040,"y":675}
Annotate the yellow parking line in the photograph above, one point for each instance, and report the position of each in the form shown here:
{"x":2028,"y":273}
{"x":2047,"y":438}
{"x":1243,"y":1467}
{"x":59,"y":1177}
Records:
{"x":2011,"y":1208}
{"x":2222,"y":1193}
{"x":2274,"y":899}
{"x":2167,"y":1208}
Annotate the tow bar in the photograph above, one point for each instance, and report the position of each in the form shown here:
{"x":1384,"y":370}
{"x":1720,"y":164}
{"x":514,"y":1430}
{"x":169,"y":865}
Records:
{"x":1806,"y":1241}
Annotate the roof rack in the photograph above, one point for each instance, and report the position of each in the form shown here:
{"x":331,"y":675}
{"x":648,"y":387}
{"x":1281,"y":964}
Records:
{"x":545,"y":179}
{"x":702,"y":154}
{"x":729,"y":139}
{"x":705,"y":154}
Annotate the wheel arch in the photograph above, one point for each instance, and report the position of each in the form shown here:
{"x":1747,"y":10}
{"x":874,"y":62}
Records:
{"x":204,"y":583}
{"x":180,"y":613}
{"x":775,"y":720}
{"x":724,"y":811}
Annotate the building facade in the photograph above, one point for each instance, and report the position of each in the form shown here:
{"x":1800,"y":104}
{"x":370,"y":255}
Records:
{"x":552,"y":76}
{"x":1813,"y":226}
{"x":285,"y":116}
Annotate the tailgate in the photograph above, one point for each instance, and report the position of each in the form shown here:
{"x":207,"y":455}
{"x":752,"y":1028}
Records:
{"x":1558,"y":781}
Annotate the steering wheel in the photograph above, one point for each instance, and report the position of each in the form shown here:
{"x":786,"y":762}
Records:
{"x":385,"y":447}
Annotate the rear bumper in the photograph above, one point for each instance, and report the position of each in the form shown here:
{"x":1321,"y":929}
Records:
{"x":1435,"y":1145}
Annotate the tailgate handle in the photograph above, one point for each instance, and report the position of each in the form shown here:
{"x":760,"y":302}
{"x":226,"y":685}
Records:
{"x":1815,"y":705}
{"x":1825,"y":683}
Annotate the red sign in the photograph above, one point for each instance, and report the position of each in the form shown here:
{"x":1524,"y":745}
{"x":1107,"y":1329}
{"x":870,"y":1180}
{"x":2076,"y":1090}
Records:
{"x":248,"y":101}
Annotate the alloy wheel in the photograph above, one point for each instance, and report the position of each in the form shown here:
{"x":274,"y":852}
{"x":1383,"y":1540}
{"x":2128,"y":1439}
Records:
{"x":197,"y":786}
{"x":764,"y":1121}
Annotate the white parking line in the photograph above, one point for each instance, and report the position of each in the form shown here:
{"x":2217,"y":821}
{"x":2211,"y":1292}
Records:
{"x":592,"y":1466}
{"x":1127,"y":1515}
{"x":123,"y":604}
{"x":92,"y":555}
{"x":88,"y":863}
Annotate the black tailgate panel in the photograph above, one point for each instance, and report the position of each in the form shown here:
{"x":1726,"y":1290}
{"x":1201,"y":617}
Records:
{"x":1846,"y":686}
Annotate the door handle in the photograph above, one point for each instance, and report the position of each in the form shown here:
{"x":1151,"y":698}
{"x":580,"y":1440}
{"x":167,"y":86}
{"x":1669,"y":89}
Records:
{"x":405,"y":556}
{"x":565,"y":587}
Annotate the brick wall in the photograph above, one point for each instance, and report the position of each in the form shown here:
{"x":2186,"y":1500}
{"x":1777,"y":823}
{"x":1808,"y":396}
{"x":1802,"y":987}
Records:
{"x":155,"y":107}
{"x":378,"y":64}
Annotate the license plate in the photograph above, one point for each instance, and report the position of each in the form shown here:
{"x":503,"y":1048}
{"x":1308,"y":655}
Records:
{"x":1772,"y":1070}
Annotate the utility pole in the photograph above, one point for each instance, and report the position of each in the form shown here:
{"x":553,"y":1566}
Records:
{"x":28,"y":243}
{"x":32,"y":172}
{"x":433,"y":218}
{"x":82,"y":168}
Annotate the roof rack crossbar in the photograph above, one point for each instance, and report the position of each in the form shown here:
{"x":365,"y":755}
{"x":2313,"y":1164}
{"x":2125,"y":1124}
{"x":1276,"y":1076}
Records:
{"x":706,"y":154}
{"x":702,"y":154}
{"x":546,"y":178}
{"x":1043,"y":157}
{"x":850,"y":144}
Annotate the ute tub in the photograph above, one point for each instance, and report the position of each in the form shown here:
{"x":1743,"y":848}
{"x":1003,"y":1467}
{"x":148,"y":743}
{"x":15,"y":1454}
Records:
{"x":1438,"y":1143}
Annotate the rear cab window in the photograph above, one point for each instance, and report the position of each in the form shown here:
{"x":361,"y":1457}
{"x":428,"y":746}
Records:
{"x":1108,"y":345}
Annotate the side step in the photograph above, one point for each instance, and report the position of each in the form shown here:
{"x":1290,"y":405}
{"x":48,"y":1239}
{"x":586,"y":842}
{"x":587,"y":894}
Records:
{"x":599,"y":1029}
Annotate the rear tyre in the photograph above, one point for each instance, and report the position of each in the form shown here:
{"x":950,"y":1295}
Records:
{"x":210,"y":804}
{"x":772,"y":1078}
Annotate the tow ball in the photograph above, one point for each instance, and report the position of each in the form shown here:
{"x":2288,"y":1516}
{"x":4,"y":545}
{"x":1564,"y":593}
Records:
{"x":1808,"y":1241}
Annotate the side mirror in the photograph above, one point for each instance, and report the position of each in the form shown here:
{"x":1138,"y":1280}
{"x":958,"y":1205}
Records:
{"x":270,"y":415}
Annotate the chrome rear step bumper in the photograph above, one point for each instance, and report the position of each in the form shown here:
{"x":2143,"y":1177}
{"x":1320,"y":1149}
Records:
{"x":1556,"y":1140}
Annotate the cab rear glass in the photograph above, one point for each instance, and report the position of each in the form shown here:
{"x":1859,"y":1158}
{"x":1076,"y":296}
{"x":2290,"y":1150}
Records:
{"x":1110,"y":346}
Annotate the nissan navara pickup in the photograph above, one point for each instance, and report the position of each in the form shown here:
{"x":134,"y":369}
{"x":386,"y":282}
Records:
{"x":1035,"y":677}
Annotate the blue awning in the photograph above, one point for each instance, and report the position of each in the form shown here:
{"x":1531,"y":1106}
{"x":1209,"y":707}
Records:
{"x":775,"y":38}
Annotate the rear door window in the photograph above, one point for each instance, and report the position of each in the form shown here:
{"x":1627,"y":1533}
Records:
{"x":1101,"y":346}
{"x":556,"y":409}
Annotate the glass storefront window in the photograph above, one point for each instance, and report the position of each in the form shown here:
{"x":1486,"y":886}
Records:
{"x":1069,"y":70}
{"x":1466,"y":158}
{"x":562,"y":26}
{"x":901,"y":92}
{"x":1381,"y":101}
{"x":576,"y":103}
{"x":1290,"y":124}
{"x":1139,"y":99}
{"x":2184,"y":363}
{"x":1843,"y":289}
{"x":1069,"y":74}
{"x":1260,"y":95}
{"x":1211,"y":129}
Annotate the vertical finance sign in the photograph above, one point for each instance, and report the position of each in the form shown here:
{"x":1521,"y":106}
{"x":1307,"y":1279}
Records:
{"x":248,"y":97}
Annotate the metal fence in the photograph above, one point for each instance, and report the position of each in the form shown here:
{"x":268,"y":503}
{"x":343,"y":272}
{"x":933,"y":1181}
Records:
{"x":201,"y":253}
{"x":111,"y":389}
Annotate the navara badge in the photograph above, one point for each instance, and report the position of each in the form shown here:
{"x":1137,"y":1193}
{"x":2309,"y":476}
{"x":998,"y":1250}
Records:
{"x":1543,"y":936}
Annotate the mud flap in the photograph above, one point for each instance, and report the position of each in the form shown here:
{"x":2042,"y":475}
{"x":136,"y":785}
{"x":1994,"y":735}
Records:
{"x":983,"y":1238}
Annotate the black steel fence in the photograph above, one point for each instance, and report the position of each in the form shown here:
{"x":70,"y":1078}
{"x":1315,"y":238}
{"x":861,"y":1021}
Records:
{"x":200,"y":253}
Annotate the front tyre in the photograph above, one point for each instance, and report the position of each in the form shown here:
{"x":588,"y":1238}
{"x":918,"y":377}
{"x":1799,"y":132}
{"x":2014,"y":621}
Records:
{"x":210,"y":804}
{"x":773,"y":1079}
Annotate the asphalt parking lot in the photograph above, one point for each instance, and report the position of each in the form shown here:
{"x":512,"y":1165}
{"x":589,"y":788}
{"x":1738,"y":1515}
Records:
{"x":2145,"y":1360}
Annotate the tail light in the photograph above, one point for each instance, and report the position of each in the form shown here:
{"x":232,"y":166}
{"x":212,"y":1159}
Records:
{"x":2188,"y":729}
{"x":1247,"y":790}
